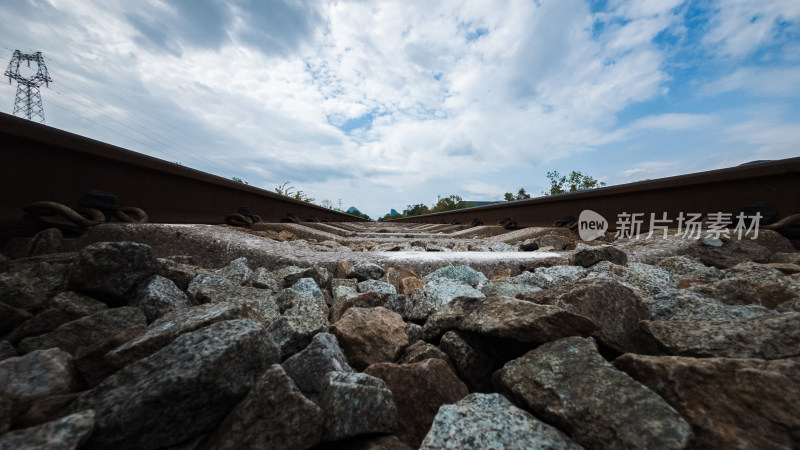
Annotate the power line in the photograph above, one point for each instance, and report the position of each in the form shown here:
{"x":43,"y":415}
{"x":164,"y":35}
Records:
{"x":222,"y":169}
{"x":106,"y":127}
{"x":148,"y":131}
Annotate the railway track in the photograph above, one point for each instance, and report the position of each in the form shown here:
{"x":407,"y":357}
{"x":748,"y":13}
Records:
{"x":45,"y":164}
{"x":771,"y":188}
{"x":41,"y":163}
{"x":419,"y":308}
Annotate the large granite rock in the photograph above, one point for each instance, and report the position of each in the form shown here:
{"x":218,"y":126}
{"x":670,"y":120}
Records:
{"x":440,"y":291}
{"x":181,"y":273}
{"x":194,"y":382}
{"x":85,"y":331}
{"x":396,"y":277}
{"x":480,"y":421}
{"x":6,"y":414}
{"x":274,"y":414}
{"x":289,"y":275}
{"x":7,"y":350}
{"x":732,"y":291}
{"x":683,"y":267}
{"x":91,"y":362}
{"x":418,"y":305}
{"x":365,"y":300}
{"x":363,"y":271}
{"x":377,"y":286}
{"x":732,"y":252}
{"x":615,"y":308}
{"x":63,"y":308}
{"x":307,"y":288}
{"x":67,"y":433}
{"x":157,"y":296}
{"x":210,"y":287}
{"x":768,"y":337}
{"x":264,"y":279}
{"x":49,"y":272}
{"x":507,"y":289}
{"x":21,"y":291}
{"x":587,"y":256}
{"x":507,"y":317}
{"x":418,"y":390}
{"x":111,"y":271}
{"x":730,"y":403}
{"x":298,"y":325}
{"x":460,"y":274}
{"x":407,"y":284}
{"x":309,"y":367}
{"x":474,"y":359}
{"x":171,"y":325}
{"x":679,"y":304}
{"x":45,"y":242}
{"x":755,"y":272}
{"x":11,"y":318}
{"x":568,"y":384}
{"x":643,"y":278}
{"x":548,"y":277}
{"x":342,"y":289}
{"x":354,"y":404}
{"x":421,"y":350}
{"x":790,"y":306}
{"x":370,"y":335}
{"x":237,"y":271}
{"x":37,"y":374}
{"x":46,"y":409}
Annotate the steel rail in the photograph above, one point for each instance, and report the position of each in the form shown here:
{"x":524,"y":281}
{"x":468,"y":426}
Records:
{"x":776,"y":183}
{"x":41,"y":163}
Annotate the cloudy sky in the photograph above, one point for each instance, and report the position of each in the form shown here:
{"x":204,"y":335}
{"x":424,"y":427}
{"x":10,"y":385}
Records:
{"x":384,"y":104}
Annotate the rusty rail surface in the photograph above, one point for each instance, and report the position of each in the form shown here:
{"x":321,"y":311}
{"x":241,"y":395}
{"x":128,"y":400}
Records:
{"x":41,"y":163}
{"x":776,"y":183}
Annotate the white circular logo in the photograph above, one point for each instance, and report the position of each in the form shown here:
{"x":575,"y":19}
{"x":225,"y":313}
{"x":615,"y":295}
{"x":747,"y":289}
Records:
{"x":591,"y":225}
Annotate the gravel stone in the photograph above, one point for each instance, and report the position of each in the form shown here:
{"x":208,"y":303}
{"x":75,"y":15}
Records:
{"x":480,"y":421}
{"x":364,"y":271}
{"x":354,"y":404}
{"x":111,"y":271}
{"x":568,"y":384}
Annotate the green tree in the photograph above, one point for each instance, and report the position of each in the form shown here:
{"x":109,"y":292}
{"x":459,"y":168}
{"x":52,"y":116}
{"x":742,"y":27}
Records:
{"x":449,"y":203}
{"x":415,"y":210}
{"x":576,"y":181}
{"x":358,"y":213}
{"x":236,"y":179}
{"x":521,"y":195}
{"x":286,"y":190}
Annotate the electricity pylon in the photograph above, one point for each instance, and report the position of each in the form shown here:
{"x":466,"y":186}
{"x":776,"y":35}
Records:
{"x":28,"y":99}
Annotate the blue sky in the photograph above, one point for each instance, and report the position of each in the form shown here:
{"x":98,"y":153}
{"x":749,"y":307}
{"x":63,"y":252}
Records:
{"x":385,"y":104}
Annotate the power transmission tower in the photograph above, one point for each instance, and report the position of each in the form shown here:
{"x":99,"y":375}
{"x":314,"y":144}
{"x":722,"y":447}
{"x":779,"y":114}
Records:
{"x":28,"y":99}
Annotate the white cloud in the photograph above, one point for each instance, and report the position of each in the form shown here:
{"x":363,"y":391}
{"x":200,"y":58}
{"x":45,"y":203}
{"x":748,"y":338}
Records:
{"x":773,"y":81}
{"x":650,"y":170}
{"x":350,"y":99}
{"x":671,"y":122}
{"x":767,"y":140}
{"x":481,"y":191}
{"x":740,"y":27}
